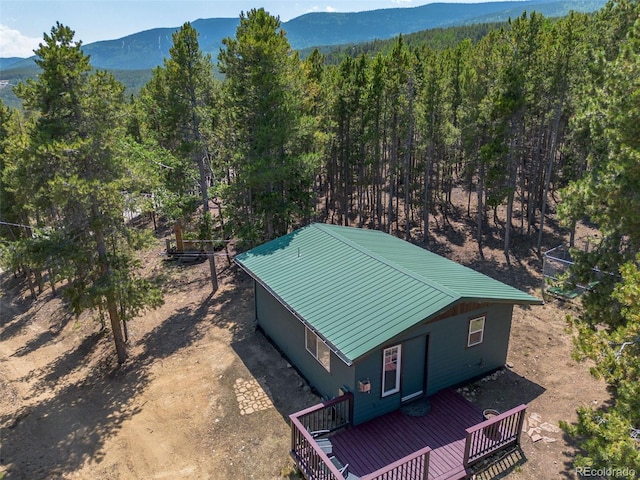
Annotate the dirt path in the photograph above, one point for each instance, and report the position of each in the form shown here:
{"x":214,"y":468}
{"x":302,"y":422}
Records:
{"x":204,"y":396}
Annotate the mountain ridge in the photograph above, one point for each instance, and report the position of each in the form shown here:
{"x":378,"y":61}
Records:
{"x":148,"y":48}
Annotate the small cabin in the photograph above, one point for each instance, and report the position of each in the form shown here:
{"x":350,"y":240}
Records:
{"x":364,"y":312}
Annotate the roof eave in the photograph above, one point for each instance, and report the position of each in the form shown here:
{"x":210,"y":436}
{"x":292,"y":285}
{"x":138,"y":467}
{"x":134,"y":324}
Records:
{"x":508,"y":301}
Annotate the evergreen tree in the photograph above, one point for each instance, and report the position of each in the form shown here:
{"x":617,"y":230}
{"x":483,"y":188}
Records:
{"x":181,"y":97}
{"x":74,"y":171}
{"x":608,"y":193}
{"x":180,"y":106}
{"x":270,"y":188}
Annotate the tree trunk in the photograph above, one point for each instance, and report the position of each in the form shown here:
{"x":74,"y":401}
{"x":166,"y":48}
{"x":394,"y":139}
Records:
{"x":511,"y":186}
{"x":547,"y":178}
{"x":212,"y":268}
{"x":480,"y":213}
{"x":116,"y":328}
{"x":392,"y":169}
{"x":408,"y":166}
{"x":112,"y":306}
{"x":427,"y":191}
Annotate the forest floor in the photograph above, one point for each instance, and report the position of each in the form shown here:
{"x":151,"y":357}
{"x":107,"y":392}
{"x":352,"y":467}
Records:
{"x":203,"y":395}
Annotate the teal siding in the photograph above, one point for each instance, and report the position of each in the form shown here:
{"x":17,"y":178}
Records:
{"x":449,"y":361}
{"x":288,"y":333}
{"x":370,"y":405}
{"x":413,"y":365}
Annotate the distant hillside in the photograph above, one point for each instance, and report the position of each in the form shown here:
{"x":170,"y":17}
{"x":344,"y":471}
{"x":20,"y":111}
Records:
{"x":147,"y":49}
{"x":339,"y":28}
{"x":8,"y":62}
{"x":132,"y":57}
{"x":436,"y":38}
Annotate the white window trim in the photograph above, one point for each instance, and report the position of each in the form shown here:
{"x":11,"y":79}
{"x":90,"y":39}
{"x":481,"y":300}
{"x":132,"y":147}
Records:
{"x":481,"y":330}
{"x":396,"y":388}
{"x":316,"y":347}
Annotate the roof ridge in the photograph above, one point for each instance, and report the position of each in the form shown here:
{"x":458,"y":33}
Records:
{"x":325,"y":228}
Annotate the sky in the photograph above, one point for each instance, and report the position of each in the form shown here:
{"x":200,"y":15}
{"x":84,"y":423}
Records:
{"x":23,"y":22}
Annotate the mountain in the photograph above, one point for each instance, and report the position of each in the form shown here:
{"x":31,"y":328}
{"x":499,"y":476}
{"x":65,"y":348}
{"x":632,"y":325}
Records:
{"x":315,"y":29}
{"x":8,"y":62}
{"x":131,"y":58}
{"x":147,"y":49}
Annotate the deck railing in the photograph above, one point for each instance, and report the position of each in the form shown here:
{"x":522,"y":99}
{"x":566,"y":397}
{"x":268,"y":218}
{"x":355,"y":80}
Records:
{"x":325,"y":417}
{"x":330,"y":415}
{"x":494,"y":434}
{"x":414,"y":466}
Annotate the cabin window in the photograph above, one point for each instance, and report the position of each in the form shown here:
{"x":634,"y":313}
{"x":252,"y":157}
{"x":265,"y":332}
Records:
{"x":317,"y":348}
{"x":391,"y":370}
{"x":476,"y":331}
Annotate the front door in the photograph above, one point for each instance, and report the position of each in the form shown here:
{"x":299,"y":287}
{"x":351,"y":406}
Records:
{"x":414,"y":361}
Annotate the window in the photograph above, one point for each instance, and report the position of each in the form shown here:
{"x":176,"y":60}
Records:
{"x":317,"y":348}
{"x":476,"y":331}
{"x":391,"y":370}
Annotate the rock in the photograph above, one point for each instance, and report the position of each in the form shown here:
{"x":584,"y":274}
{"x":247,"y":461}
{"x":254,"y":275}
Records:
{"x":547,"y":427}
{"x":510,"y":365}
{"x":535,"y":419}
{"x":548,"y":440}
{"x":536,"y":438}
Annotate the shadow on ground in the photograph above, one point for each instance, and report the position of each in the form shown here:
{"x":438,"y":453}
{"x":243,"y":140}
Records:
{"x":84,"y":382}
{"x":42,"y":435}
{"x":286,"y":388}
{"x":502,"y":465}
{"x":504,"y":390}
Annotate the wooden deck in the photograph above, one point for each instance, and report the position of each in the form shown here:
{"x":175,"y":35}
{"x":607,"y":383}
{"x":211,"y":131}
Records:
{"x":384,"y":440}
{"x":443,"y":444}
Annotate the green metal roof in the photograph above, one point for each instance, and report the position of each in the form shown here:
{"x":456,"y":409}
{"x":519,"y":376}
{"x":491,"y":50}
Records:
{"x":359,"y":288}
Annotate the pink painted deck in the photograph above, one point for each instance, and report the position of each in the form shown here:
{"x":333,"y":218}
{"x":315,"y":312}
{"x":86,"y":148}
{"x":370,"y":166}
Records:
{"x":387,"y":439}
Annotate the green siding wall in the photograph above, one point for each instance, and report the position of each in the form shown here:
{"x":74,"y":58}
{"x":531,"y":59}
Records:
{"x":449,"y":361}
{"x":287,"y":332}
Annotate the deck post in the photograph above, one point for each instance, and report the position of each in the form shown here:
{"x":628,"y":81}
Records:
{"x":425,"y":470}
{"x":467,"y":448}
{"x":520,"y":425}
{"x":326,"y":417}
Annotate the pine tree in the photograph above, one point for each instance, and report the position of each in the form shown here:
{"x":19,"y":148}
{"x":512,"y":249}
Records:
{"x":181,"y":99}
{"x":271,"y":185}
{"x":608,"y":193}
{"x":75,"y":172}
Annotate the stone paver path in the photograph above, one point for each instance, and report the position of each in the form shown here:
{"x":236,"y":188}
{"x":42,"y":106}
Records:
{"x":537,"y":429}
{"x":251,"y":396}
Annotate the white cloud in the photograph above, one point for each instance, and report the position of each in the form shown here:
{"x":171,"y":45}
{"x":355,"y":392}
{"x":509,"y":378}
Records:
{"x":15,"y":44}
{"x":316,"y":8}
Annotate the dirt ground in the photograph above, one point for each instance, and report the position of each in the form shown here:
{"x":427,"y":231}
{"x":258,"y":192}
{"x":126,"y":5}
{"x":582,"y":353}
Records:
{"x":203,"y":395}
